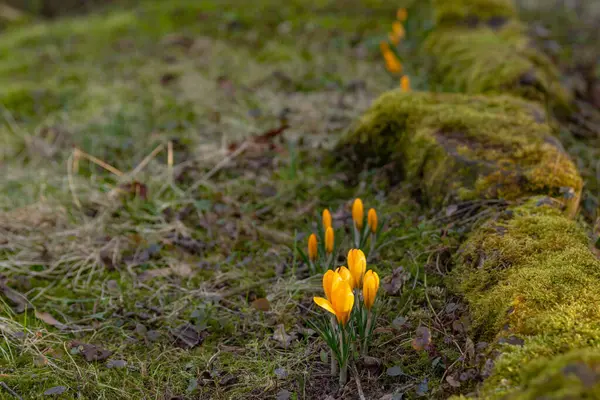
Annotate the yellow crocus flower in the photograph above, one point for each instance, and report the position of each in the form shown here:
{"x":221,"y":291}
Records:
{"x":370,"y":287}
{"x":357,"y":264}
{"x":329,"y":240}
{"x":392,"y":64}
{"x":398,"y":30}
{"x":312,"y":247}
{"x":345,"y":274}
{"x":358,"y":213}
{"x":340,"y":298}
{"x":326,"y":219}
{"x":372,"y":220}
{"x":405,"y":83}
{"x":402,"y":14}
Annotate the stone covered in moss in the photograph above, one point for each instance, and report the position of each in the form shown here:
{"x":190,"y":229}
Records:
{"x":532,"y":281}
{"x":464,"y":147}
{"x":479,"y":48}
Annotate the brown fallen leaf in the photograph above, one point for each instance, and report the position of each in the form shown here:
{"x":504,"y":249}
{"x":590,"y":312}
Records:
{"x":261,"y":304}
{"x":182,"y":270}
{"x":19,"y":301}
{"x":50,"y":320}
{"x":282,"y":338}
{"x":90,"y":352}
{"x":422,"y":339}
{"x":188,"y":336}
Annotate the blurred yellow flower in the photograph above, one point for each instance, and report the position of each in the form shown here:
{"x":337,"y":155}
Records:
{"x":357,"y":264}
{"x":326,"y":219}
{"x":402,"y":14}
{"x":392,"y":64}
{"x":405,"y":83}
{"x":384,"y":46}
{"x":329,"y":240}
{"x":312,"y":247}
{"x":398,"y":30}
{"x":370,"y":287}
{"x":340,"y":298}
{"x":372,"y":220}
{"x":358,"y":213}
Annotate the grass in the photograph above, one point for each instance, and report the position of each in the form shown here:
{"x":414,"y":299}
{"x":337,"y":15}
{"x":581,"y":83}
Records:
{"x":217,"y":227}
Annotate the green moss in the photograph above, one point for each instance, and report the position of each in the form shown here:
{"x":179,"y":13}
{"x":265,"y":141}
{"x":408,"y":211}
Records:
{"x":491,"y":58}
{"x":463,"y":147}
{"x":532,"y":277}
{"x":482,"y":10}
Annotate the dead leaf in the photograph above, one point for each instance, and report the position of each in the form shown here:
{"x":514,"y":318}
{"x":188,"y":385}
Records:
{"x":261,"y":304}
{"x":263,"y":141}
{"x":470,"y":349}
{"x":19,"y":301}
{"x":55,"y":390}
{"x":116,"y":364}
{"x":132,"y":190}
{"x":50,"y":320}
{"x":182,"y":270}
{"x":422,"y":339}
{"x":283,"y":395}
{"x":393,"y":283}
{"x":452,"y":381}
{"x":188,"y":336}
{"x":281,"y":337}
{"x":89,"y":351}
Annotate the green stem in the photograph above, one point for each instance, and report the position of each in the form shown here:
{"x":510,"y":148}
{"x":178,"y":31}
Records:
{"x":334,"y":361}
{"x":372,"y":250}
{"x":367,"y":330}
{"x":356,"y":236}
{"x":343,"y":375}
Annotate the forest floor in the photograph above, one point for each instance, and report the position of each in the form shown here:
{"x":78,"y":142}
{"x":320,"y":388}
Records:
{"x":160,"y":165}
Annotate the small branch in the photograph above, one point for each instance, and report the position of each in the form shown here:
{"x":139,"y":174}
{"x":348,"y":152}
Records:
{"x":10,"y":391}
{"x":361,"y":394}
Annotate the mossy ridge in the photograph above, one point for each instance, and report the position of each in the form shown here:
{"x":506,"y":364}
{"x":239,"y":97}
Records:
{"x":463,"y":147}
{"x":495,"y":57}
{"x":531,"y":277}
{"x":452,"y":12}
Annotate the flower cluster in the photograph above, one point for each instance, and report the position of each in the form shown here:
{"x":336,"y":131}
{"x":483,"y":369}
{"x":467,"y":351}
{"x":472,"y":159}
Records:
{"x":350,"y":294}
{"x":392,"y":62}
{"x":322,"y":245}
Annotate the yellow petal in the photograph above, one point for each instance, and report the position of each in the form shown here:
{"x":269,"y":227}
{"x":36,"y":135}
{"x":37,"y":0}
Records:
{"x":384,"y":46}
{"x":405,"y":83}
{"x":312,"y":247}
{"x":326,"y":219}
{"x":342,"y":301}
{"x":370,"y":287}
{"x":372,"y":220}
{"x":345,"y":274}
{"x":357,"y":264}
{"x":358,"y":212}
{"x":329,"y":240}
{"x":328,"y":279}
{"x":402,"y":14}
{"x":324,"y":303}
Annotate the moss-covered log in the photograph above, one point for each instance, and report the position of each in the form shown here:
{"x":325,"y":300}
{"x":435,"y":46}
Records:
{"x":532,"y":284}
{"x":480,"y":47}
{"x":460,"y":147}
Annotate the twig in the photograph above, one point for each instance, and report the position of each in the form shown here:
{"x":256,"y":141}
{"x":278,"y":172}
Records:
{"x":146,"y":160}
{"x":80,"y":153}
{"x":70,"y":165}
{"x":218,"y":167}
{"x":361,"y":394}
{"x":10,"y":391}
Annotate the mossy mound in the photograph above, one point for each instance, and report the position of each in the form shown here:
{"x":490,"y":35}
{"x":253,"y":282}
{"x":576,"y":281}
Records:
{"x":473,"y":11}
{"x":460,"y":147}
{"x":478,"y":47}
{"x":532,"y":282}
